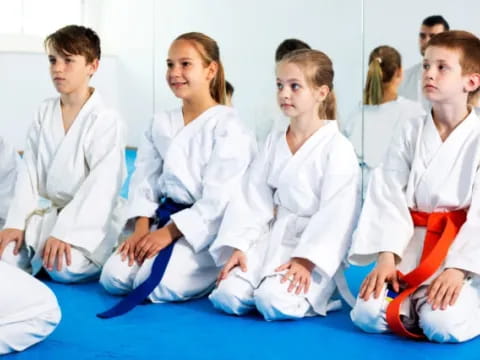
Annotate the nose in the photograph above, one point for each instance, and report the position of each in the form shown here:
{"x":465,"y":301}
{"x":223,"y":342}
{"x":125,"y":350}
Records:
{"x":57,"y":67}
{"x":174,"y":70}
{"x":428,"y":73}
{"x":283,"y":92}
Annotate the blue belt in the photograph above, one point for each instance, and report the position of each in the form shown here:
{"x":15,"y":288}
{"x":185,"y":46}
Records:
{"x":167,"y":208}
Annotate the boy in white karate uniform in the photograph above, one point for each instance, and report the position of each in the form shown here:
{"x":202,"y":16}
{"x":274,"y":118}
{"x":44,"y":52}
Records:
{"x":65,"y":214}
{"x":194,"y":157}
{"x":421,"y":216}
{"x":9,"y":164}
{"x":282,"y":241}
{"x":29,"y":311}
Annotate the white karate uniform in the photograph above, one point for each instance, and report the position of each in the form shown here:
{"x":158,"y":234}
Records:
{"x":290,"y":207}
{"x":202,"y":164}
{"x":29,"y":311}
{"x":372,"y":137}
{"x":69,"y":189}
{"x":9,"y":164}
{"x":423,"y":173}
{"x":411,"y":86}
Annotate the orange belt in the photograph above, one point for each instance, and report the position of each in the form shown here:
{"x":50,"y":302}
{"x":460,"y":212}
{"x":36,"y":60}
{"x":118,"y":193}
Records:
{"x":442,"y":228}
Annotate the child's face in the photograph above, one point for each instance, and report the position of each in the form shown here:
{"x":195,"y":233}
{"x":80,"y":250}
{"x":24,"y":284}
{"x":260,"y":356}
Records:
{"x":294,"y":94}
{"x":186,"y":73}
{"x":443,"y":81}
{"x":70,"y":73}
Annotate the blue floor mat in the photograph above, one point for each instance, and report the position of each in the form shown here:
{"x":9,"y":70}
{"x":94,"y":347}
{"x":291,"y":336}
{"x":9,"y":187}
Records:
{"x":195,"y":330}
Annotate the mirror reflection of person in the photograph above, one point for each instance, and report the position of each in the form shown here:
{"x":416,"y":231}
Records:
{"x":411,"y":85}
{"x":371,"y":126}
{"x":229,"y":89}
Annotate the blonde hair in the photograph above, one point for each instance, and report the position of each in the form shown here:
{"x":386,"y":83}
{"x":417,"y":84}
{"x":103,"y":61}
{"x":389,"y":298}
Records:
{"x":318,"y":69}
{"x":383,"y":63}
{"x":209,"y":51}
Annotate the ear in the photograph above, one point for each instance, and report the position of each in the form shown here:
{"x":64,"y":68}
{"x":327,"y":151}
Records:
{"x":472,"y":82}
{"x":93,"y":67}
{"x":399,"y":74}
{"x":321,"y":93}
{"x":212,"y":69}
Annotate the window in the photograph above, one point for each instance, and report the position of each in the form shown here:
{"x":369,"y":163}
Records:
{"x":38,"y":18}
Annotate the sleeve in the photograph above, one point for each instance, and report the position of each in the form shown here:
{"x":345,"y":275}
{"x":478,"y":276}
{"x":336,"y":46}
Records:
{"x":465,"y":250}
{"x":9,"y":167}
{"x":249,"y":213}
{"x":327,"y":237}
{"x":84,"y":222}
{"x":233,"y":150}
{"x":385,"y":223}
{"x":25,"y":199}
{"x":144,"y":193}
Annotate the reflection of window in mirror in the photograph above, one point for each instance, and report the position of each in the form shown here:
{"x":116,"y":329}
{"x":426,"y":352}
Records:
{"x":383,"y":110}
{"x":22,"y":29}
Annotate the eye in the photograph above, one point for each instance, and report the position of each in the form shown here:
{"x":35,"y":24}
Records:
{"x":279,"y":86}
{"x":69,"y":60}
{"x":185,"y":63}
{"x":442,"y":67}
{"x":52,"y":60}
{"x":169,"y":64}
{"x":295,"y":86}
{"x":426,"y":66}
{"x":423,"y":36}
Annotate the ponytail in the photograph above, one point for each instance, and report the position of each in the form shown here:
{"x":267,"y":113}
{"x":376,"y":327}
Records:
{"x":217,"y":86}
{"x":384,"y":62}
{"x":328,"y":110}
{"x":373,"y":93}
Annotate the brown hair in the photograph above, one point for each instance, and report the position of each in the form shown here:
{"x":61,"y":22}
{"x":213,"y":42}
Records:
{"x":468,"y":45}
{"x":318,"y":69}
{"x":383,"y":63}
{"x":75,"y":40}
{"x":209,"y":51}
{"x":289,"y":45}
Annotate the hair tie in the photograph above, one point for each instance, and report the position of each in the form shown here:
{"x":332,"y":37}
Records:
{"x":379,"y":59}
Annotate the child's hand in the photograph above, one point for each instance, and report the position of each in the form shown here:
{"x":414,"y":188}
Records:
{"x":238,"y":258}
{"x":299,"y":273}
{"x":127,"y":249}
{"x":152,"y":243}
{"x":444,"y":290}
{"x":385,"y":271}
{"x":9,"y":235}
{"x":54,"y":252}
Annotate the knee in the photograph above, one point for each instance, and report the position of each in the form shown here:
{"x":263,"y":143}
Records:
{"x":442,"y":325}
{"x":113,"y":279}
{"x":275,"y":303}
{"x":233,"y":296}
{"x":21,"y":260}
{"x":50,"y":320}
{"x":369,"y":316}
